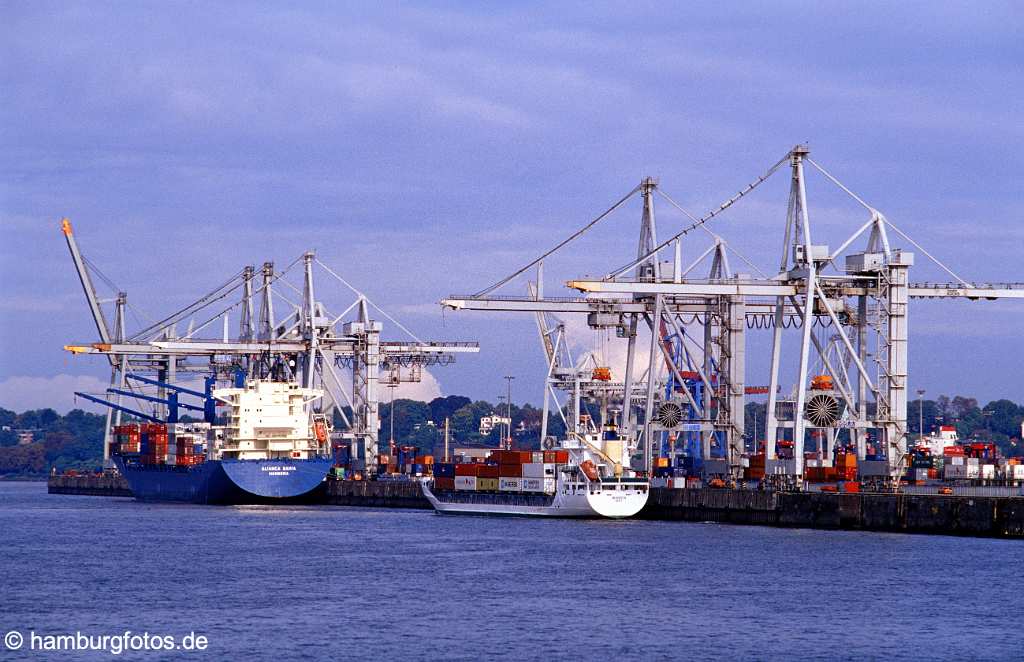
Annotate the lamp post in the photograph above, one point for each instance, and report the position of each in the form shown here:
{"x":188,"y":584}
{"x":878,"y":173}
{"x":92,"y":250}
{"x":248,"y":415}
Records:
{"x":508,"y":410}
{"x":920,"y":413}
{"x":391,"y":415}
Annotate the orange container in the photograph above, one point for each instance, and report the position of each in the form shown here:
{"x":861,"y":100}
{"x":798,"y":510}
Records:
{"x":487,"y":471}
{"x":661,"y":462}
{"x":851,"y":486}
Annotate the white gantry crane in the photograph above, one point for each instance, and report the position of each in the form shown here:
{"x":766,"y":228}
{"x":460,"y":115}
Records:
{"x":862,"y":294}
{"x":308,"y":344}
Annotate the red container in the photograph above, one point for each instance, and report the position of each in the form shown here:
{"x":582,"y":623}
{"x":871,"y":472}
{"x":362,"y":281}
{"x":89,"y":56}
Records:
{"x":549,"y":457}
{"x":851,"y":486}
{"x":510,"y":471}
{"x":487,"y":471}
{"x":467,"y":469}
{"x":444,"y":483}
{"x":561,"y":457}
{"x":505,"y":457}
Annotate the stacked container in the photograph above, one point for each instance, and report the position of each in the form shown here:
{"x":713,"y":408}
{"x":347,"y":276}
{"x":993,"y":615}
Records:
{"x":504,"y":471}
{"x":153,"y":443}
{"x":129,"y":438}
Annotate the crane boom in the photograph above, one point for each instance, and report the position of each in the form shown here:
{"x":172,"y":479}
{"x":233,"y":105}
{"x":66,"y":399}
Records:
{"x":90,"y":292}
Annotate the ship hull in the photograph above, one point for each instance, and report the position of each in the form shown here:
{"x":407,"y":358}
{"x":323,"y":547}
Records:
{"x":228,"y":482}
{"x":572,"y":505}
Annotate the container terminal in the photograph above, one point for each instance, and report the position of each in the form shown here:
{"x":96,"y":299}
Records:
{"x":836,"y":451}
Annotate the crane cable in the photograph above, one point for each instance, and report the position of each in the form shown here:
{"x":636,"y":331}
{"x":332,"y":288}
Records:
{"x":565,"y":241}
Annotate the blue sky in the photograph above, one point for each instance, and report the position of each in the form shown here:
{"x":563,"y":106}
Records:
{"x":432,"y":148}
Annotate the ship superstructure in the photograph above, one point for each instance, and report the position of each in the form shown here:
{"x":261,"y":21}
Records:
{"x":269,"y":420}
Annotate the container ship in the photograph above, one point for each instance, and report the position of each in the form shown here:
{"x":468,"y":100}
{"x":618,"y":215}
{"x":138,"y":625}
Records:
{"x":270,"y":450}
{"x":583,"y":477}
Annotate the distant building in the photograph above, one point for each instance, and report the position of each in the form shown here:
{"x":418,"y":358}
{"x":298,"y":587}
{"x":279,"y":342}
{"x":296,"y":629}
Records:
{"x":488,"y":423}
{"x":24,"y":438}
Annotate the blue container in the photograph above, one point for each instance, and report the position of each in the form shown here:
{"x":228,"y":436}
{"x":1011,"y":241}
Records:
{"x":418,"y":469}
{"x":444,"y":470}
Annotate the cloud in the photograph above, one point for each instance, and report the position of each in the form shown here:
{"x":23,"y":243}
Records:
{"x":57,"y":392}
{"x":425,"y":390}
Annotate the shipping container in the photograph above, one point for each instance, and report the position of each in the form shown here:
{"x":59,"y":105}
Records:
{"x":467,"y":470}
{"x":445,"y":469}
{"x":513,"y":484}
{"x":538,"y":470}
{"x":954,"y":471}
{"x":487,"y":484}
{"x":539,"y":485}
{"x":465,"y":482}
{"x":487,"y":471}
{"x":444,"y":483}
{"x":510,"y":471}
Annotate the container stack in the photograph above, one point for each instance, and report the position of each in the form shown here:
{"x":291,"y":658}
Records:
{"x":128,"y":438}
{"x":153,"y":443}
{"x":188,"y":451}
{"x":845,"y":466}
{"x":503,"y":471}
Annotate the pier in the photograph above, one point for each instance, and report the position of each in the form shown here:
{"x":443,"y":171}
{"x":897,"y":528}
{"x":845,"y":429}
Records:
{"x":958,"y":515}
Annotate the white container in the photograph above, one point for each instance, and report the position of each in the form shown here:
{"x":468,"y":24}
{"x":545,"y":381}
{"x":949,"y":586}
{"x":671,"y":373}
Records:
{"x":538,"y":485}
{"x":538,"y":470}
{"x":955,"y":471}
{"x":1015,"y":471}
{"x":465,"y":482}
{"x":510,"y":484}
{"x":533,"y":470}
{"x":972,"y":461}
{"x":988,"y":471}
{"x":973,"y":471}
{"x":953,"y":459}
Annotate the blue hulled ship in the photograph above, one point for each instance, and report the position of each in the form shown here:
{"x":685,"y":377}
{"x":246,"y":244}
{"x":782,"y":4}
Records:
{"x":270,"y":450}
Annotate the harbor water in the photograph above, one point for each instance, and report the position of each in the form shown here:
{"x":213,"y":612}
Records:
{"x":289,"y":583}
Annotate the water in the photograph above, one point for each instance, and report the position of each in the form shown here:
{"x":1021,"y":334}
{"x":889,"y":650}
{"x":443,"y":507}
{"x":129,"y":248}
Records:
{"x":288,"y":583}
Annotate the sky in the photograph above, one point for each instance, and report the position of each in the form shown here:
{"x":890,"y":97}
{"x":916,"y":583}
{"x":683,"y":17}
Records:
{"x":433,"y":148}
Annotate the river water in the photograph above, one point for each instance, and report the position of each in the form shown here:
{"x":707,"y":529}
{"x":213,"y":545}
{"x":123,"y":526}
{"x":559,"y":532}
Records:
{"x":289,"y":583}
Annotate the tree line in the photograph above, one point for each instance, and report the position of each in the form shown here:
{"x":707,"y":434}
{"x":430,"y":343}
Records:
{"x":75,"y":440}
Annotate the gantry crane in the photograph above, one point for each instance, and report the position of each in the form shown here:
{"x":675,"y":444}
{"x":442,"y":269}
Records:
{"x":866,"y":300}
{"x":309,"y":345}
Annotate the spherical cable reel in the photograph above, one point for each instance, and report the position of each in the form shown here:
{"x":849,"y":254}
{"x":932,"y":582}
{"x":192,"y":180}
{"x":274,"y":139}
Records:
{"x":823,"y":410}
